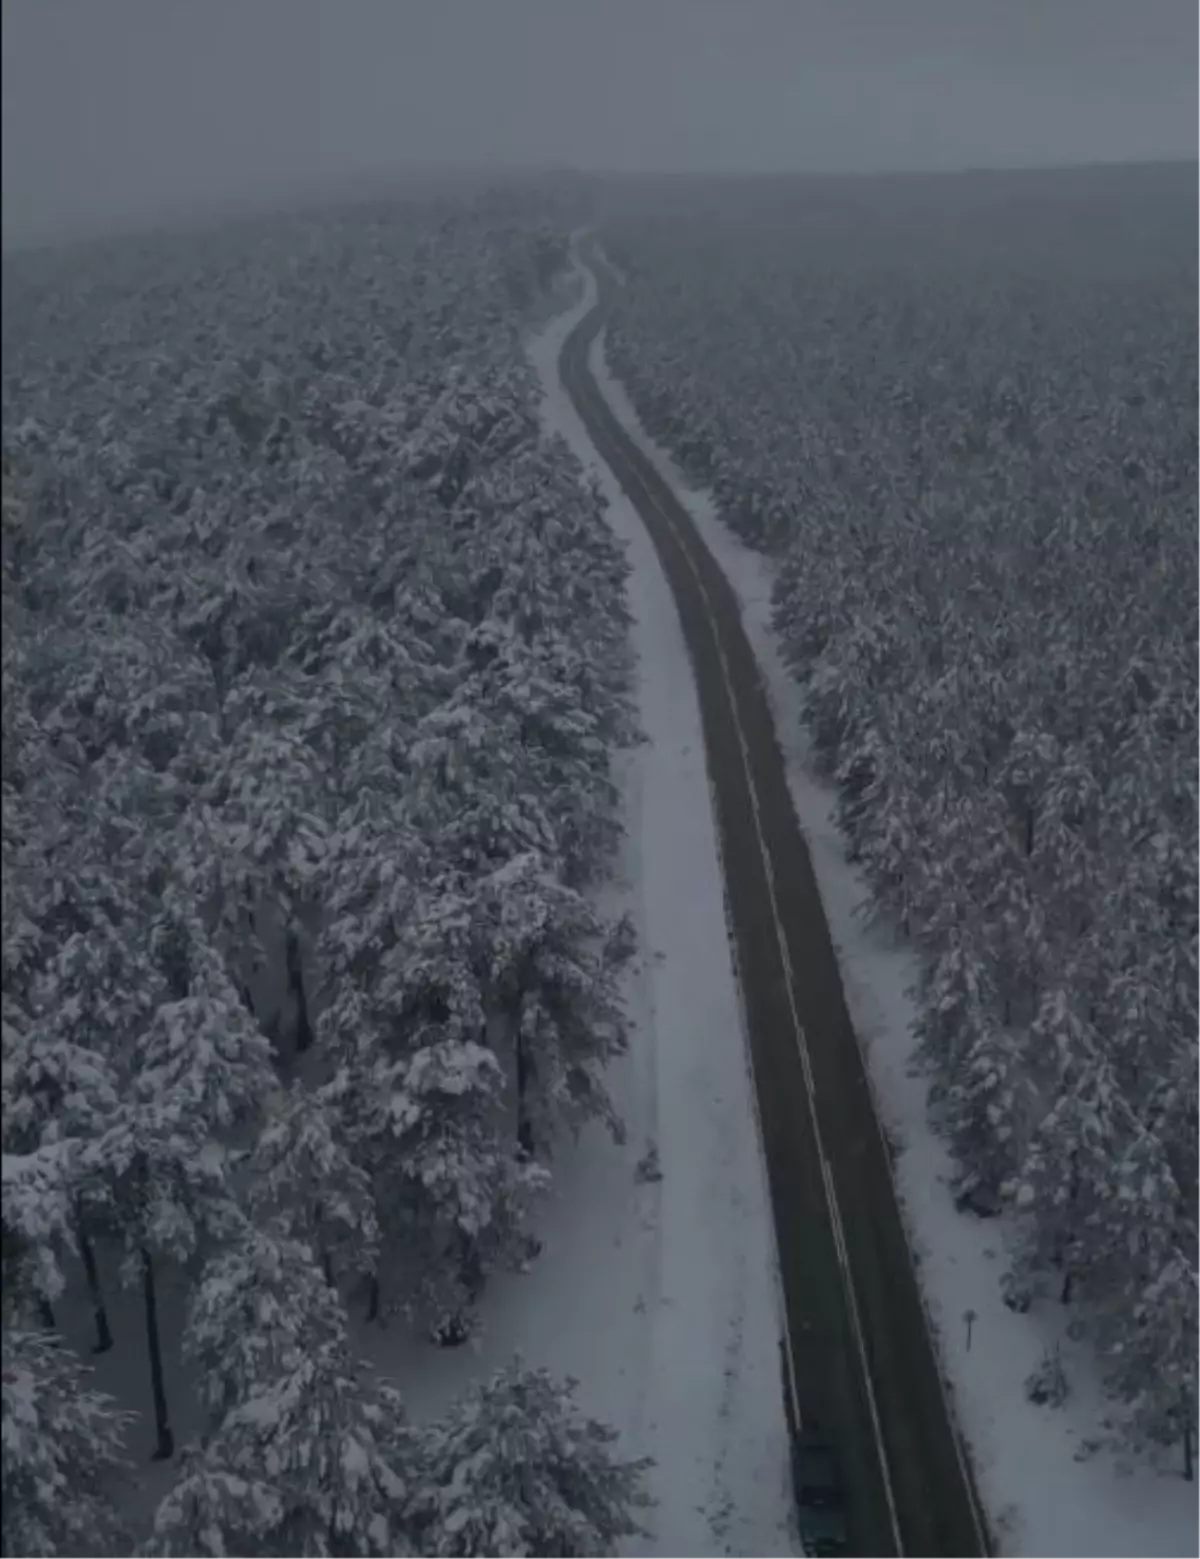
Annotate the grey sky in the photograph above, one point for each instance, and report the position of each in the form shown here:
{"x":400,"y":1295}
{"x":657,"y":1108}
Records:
{"x":119,"y":108}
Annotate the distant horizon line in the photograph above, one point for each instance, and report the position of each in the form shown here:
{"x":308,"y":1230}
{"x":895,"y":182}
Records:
{"x":300,"y":194}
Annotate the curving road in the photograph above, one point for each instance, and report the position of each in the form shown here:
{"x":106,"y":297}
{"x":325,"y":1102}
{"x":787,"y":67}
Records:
{"x":860,"y":1366}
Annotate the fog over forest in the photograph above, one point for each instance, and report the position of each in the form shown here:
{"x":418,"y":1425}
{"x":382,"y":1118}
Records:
{"x":134,"y":110}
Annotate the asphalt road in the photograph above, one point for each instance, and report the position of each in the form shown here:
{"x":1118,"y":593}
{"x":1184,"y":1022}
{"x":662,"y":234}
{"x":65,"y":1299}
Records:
{"x":859,"y":1364}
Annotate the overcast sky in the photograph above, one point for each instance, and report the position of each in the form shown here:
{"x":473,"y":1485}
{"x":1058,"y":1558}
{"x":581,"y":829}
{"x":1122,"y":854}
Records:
{"x":118,"y":108}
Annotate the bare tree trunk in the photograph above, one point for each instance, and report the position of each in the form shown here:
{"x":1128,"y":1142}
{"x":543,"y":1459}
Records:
{"x":165,"y":1447}
{"x":457,"y":1327}
{"x":524,"y":1079}
{"x":99,"y":1310}
{"x":1189,"y":1470}
{"x":304,"y":1033}
{"x":471,"y":1268}
{"x":46,"y":1314}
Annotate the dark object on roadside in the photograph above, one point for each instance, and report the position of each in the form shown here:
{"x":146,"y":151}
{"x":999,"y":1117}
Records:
{"x":1047,"y":1385}
{"x":454,"y":1330}
{"x":972,"y":1195}
{"x":1015,"y":1293}
{"x":648,"y":1170}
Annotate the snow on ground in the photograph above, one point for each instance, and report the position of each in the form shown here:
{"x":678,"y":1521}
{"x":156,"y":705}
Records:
{"x":658,"y":1295}
{"x":1040,"y":1497}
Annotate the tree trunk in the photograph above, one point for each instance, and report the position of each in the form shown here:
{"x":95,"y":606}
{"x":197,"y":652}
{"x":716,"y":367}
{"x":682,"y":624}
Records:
{"x":373,"y":1297}
{"x":99,"y":1310}
{"x":524,"y":1079}
{"x":1189,"y":1470}
{"x":327,"y":1269}
{"x":46,"y":1314}
{"x":471,"y":1269}
{"x":304,"y":1033}
{"x":165,"y":1448}
{"x":457,"y":1328}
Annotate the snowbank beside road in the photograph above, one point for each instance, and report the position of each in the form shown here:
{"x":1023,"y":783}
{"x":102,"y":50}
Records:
{"x":1044,"y":1492}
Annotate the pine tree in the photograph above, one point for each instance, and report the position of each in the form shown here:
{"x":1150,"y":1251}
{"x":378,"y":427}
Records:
{"x":1150,"y":1361}
{"x":301,"y":1177}
{"x":516,"y":1469}
{"x":259,"y":1307}
{"x":212,"y":1511}
{"x":549,"y":966}
{"x":423,"y":1096}
{"x":36,"y":1222}
{"x":327,"y":1445}
{"x":199,"y":1073}
{"x":1061,"y":1189}
{"x":62,"y":1451}
{"x":301,"y":1452}
{"x":262,"y":832}
{"x":58,"y":1090}
{"x":453,"y":1198}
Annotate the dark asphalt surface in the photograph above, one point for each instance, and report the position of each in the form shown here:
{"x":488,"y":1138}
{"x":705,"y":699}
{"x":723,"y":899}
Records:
{"x":863,"y":1369}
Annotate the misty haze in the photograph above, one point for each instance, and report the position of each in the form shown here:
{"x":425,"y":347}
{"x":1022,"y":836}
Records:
{"x":600,"y":782}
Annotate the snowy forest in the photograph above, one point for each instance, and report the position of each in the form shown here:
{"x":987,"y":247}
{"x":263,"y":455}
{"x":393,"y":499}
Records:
{"x":314,"y":659}
{"x":959,"y":417}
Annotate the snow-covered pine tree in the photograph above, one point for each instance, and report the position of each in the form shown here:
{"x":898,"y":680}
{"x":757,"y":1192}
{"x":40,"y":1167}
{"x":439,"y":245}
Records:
{"x":255,"y":1313}
{"x":196,"y":1077}
{"x":58,"y":1090}
{"x":37,"y":1226}
{"x":989,"y":1112}
{"x":260,"y":838}
{"x":516,"y":1468}
{"x":452,"y":1195}
{"x":1150,"y":1356}
{"x":328,"y":1444}
{"x":302,"y":1455}
{"x":211,"y":1511}
{"x":423,"y":1096}
{"x":558,"y":723}
{"x":1060,"y":1189}
{"x":472,"y":793}
{"x":302,"y":1180}
{"x":549,"y":967}
{"x":61,"y":1452}
{"x":321,"y":1455}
